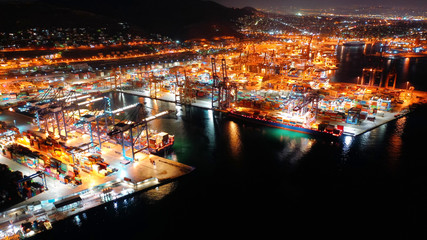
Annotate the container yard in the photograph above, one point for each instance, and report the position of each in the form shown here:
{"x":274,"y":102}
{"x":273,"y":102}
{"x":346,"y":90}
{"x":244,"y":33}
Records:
{"x":70,"y":134}
{"x":75,"y":147}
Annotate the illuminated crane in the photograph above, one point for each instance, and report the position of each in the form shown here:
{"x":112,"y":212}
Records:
{"x":224,"y":92}
{"x":129,"y":133}
{"x":104,"y":112}
{"x":55,"y":107}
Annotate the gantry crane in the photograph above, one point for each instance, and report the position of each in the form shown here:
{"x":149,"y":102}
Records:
{"x":129,"y":133}
{"x":300,"y":97}
{"x":54,"y":107}
{"x":154,"y":85}
{"x":104,"y":112}
{"x":307,"y":99}
{"x":183,"y":89}
{"x":224,"y":92}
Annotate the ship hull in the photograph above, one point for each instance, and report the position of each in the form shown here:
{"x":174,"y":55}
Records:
{"x":287,"y":127}
{"x":160,"y":151}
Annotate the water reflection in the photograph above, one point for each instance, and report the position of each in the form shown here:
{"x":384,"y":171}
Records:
{"x":77,"y":221}
{"x":395,"y":143}
{"x":297,"y":149}
{"x":178,"y":110}
{"x":154,"y":195}
{"x":295,"y":145}
{"x":154,"y":106}
{"x":405,"y":69}
{"x":365,"y":139}
{"x":210,"y":128}
{"x":233,"y":132}
{"x":346,"y":148}
{"x":348,"y":140}
{"x":122,"y":99}
{"x":341,"y":52}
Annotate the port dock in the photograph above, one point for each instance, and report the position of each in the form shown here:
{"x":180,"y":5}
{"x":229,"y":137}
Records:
{"x":146,"y":172}
{"x":349,"y":129}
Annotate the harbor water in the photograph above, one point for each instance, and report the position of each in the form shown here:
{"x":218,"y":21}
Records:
{"x":409,"y":70}
{"x":253,"y":180}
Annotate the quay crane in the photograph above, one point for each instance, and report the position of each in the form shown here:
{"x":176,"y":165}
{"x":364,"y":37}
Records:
{"x":154,"y":85}
{"x":53,"y":107}
{"x":136,"y":124}
{"x":44,"y":101}
{"x":300,"y":97}
{"x":183,"y":87}
{"x":178,"y":86}
{"x":308,"y":98}
{"x":105,"y":113}
{"x":224,"y":92}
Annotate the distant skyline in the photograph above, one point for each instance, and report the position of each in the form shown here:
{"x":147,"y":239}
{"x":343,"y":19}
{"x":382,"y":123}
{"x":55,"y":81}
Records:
{"x":321,"y":4}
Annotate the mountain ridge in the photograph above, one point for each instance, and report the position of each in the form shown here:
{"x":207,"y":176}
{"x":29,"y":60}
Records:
{"x":179,"y":20}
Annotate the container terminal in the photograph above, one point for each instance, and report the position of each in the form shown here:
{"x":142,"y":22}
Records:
{"x":285,"y":82}
{"x":98,"y":152}
{"x":79,"y":152}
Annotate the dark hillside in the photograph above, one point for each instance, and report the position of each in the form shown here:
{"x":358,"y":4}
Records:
{"x":178,"y":19}
{"x":18,"y":16}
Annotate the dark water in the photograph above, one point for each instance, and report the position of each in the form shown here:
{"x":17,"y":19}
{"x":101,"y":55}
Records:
{"x":258,"y":181}
{"x":353,"y":60}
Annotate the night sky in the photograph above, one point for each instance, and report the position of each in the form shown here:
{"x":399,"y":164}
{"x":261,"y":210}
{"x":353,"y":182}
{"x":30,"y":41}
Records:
{"x":286,"y":5}
{"x":321,"y":3}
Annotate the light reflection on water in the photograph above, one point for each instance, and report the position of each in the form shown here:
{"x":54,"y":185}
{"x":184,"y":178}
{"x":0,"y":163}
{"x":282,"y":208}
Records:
{"x":234,"y":137}
{"x":405,"y":69}
{"x":348,"y":141}
{"x":365,"y":138}
{"x":294,"y":144}
{"x":395,"y":144}
{"x":159,"y":192}
{"x":296,"y":149}
{"x":77,"y":221}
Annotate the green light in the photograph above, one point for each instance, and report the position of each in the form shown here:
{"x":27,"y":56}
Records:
{"x":276,"y":132}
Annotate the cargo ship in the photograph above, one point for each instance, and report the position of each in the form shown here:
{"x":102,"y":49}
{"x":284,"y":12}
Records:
{"x":322,"y":129}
